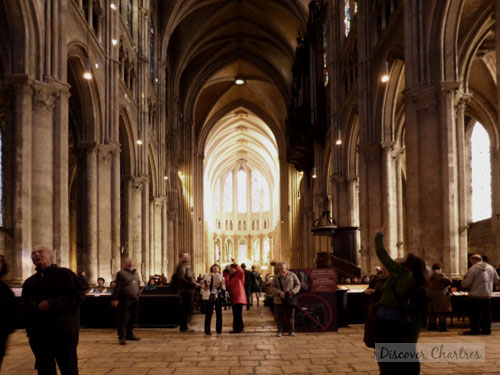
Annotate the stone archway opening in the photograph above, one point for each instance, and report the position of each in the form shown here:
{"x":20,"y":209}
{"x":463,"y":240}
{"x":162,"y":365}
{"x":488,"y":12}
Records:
{"x":241,"y":179}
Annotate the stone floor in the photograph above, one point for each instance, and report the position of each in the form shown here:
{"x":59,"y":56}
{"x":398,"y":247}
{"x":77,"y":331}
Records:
{"x":257,"y":351}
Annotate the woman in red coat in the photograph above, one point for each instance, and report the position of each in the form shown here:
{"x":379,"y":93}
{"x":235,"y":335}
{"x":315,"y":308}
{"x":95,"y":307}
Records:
{"x":236,"y":285}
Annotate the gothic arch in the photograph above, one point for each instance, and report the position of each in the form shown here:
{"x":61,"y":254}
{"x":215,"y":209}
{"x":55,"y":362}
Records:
{"x":259,"y":112}
{"x":126,"y":137}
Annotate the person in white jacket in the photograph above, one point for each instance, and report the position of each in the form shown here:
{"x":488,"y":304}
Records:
{"x":480,"y":279}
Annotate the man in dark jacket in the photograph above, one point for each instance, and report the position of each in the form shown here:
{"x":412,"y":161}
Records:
{"x":185,"y":288}
{"x":126,"y":297}
{"x":7,"y":310}
{"x":51,"y":301}
{"x":249,"y":280}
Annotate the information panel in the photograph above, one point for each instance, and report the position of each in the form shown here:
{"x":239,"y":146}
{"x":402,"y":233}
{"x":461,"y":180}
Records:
{"x":317,"y":302}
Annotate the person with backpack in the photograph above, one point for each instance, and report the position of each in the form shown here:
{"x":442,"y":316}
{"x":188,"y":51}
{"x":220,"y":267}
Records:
{"x":249,"y":281}
{"x":185,"y":284}
{"x":256,"y":285}
{"x":401,"y":307}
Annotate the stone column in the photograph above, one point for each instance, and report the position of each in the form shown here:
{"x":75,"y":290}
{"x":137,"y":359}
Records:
{"x":21,"y":128}
{"x":164,"y":237}
{"x":61,"y":192}
{"x":399,"y":197}
{"x":115,"y":212}
{"x":88,"y":223}
{"x":172,"y":249}
{"x":432,"y":175}
{"x":370,"y":206}
{"x":42,"y":166}
{"x":135,"y":252}
{"x":104,"y":208}
{"x":463,"y":214}
{"x":389,"y":196}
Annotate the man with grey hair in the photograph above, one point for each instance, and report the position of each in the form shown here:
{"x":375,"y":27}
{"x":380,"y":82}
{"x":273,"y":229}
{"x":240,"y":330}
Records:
{"x":480,"y":279}
{"x":125,"y":297}
{"x":51,"y":301}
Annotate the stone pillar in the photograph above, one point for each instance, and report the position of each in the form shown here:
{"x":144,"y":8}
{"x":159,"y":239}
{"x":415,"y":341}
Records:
{"x":400,"y":202}
{"x":172,"y":249}
{"x":164,"y":237}
{"x":88,"y":222}
{"x":370,"y":206}
{"x":136,"y":250}
{"x":389,"y":196}
{"x":61,"y":192}
{"x":115,"y":212}
{"x":145,"y":224}
{"x":495,"y":151}
{"x":463,"y":181}
{"x":104,"y":209}
{"x":199,"y":245}
{"x":42,"y":166}
{"x":432,"y":175}
{"x":22,"y":95}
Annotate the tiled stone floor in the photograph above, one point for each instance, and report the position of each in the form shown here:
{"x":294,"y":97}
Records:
{"x":257,"y":351}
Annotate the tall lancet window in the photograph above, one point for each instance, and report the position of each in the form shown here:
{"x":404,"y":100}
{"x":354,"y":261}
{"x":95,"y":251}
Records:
{"x":347,"y":17}
{"x":256,"y":189}
{"x":217,"y":196}
{"x":266,"y":199}
{"x":151,"y":49}
{"x":130,"y":16}
{"x":242,"y":191}
{"x":228,"y":193}
{"x":481,"y":173}
{"x":325,"y":55}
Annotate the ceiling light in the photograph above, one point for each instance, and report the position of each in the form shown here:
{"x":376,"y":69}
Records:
{"x":112,"y":6}
{"x":114,"y":42}
{"x":87,"y":72}
{"x":314,"y":172}
{"x":139,"y":142}
{"x":96,"y":65}
{"x":385,"y":75}
{"x":165,"y":177}
{"x":239,"y":81}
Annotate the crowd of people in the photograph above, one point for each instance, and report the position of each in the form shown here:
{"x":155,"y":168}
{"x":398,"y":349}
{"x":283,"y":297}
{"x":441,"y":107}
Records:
{"x":404,"y":295}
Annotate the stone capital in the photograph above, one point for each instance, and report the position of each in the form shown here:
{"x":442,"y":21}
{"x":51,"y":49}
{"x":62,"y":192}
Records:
{"x":44,"y":97}
{"x":370,"y":152}
{"x":105,"y":152}
{"x":138,"y":182}
{"x":158,"y":201}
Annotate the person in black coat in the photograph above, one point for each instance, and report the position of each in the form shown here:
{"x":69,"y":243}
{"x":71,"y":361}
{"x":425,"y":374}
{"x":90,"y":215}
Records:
{"x":51,"y":300}
{"x":7,"y":310}
{"x":249,"y":280}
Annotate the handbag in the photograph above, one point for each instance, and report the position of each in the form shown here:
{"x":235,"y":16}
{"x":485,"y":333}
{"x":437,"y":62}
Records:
{"x":289,"y":300}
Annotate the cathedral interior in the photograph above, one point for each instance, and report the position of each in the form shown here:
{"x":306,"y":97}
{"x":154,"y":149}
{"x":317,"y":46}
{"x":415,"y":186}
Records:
{"x":145,"y":129}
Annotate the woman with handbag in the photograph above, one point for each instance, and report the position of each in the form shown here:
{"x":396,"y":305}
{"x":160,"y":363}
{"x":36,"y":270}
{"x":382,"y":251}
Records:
{"x":284,"y":287}
{"x":214,"y":287}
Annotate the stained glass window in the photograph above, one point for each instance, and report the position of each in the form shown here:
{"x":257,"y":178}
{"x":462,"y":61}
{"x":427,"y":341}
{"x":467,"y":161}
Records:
{"x":130,"y":13}
{"x":347,"y":17}
{"x":325,"y":55}
{"x":266,"y":200}
{"x":242,"y":252}
{"x":481,"y":173}
{"x":228,"y":193}
{"x":217,"y":196}
{"x":242,"y":191}
{"x":256,"y":188}
{"x":267,"y":250}
{"x":151,"y":49}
